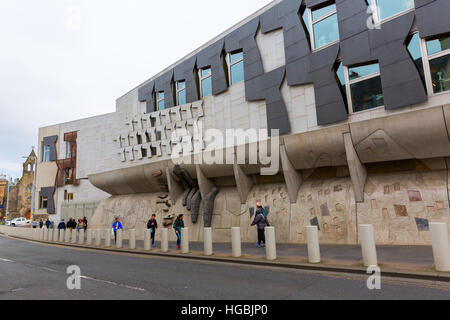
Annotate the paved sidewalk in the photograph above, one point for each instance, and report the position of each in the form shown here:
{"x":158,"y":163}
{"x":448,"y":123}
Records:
{"x":411,"y":257}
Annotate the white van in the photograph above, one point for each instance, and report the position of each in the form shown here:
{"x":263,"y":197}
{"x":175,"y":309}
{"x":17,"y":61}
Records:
{"x":19,"y":222}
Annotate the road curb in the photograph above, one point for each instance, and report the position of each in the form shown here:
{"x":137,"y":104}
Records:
{"x":426,"y":276}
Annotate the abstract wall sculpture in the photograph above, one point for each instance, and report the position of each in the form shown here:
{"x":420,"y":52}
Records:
{"x":208,"y":207}
{"x":49,"y":193}
{"x":192,"y":197}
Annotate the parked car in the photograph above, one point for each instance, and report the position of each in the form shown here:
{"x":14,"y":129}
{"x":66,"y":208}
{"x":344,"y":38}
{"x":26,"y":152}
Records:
{"x":19,"y":222}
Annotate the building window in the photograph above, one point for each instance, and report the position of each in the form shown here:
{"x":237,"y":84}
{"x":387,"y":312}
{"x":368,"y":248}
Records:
{"x":45,"y":153}
{"x":323,"y":23}
{"x":181,"y":93}
{"x":68,"y":176}
{"x":363,"y":87}
{"x":43,"y":203}
{"x":384,"y":9}
{"x":205,"y":82}
{"x":438,"y":51}
{"x":160,"y":100}
{"x":68,"y":150}
{"x":415,"y":50}
{"x":235,"y":63}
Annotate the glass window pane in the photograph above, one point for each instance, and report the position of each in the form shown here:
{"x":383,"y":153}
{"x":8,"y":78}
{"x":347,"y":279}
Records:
{"x":326,"y":31}
{"x":438,"y":45}
{"x":416,"y":54}
{"x":181,"y":85}
{"x":340,"y":73}
{"x":206,"y":87}
{"x":316,"y":14}
{"x":388,"y":8}
{"x":306,"y":19}
{"x":237,"y":72}
{"x":161,"y":105}
{"x":440,"y":73}
{"x":160,"y":95}
{"x":236,"y":56}
{"x":181,"y":97}
{"x":367,"y":94}
{"x":206,"y":72}
{"x":359,"y":72}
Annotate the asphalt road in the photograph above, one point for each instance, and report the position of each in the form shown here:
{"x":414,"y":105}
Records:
{"x":34,"y":271}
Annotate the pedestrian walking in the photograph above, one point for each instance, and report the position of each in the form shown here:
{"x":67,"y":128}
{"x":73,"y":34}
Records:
{"x":261,"y":222}
{"x":34,"y":224}
{"x":48,"y":223}
{"x":153,"y":225}
{"x":117,"y":225}
{"x":85,"y":223}
{"x":41,"y":223}
{"x":178,"y":225}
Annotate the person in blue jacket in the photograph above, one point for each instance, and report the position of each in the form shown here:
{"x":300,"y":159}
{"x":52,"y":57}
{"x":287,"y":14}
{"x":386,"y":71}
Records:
{"x":62,"y":225}
{"x":177,"y":226}
{"x":117,"y":225}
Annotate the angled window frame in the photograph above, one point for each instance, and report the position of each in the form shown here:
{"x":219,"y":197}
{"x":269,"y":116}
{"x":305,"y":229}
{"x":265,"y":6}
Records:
{"x":203,"y":78}
{"x":427,"y":58}
{"x":231,"y":64}
{"x":179,"y":90}
{"x":376,"y":13}
{"x":311,"y":23}
{"x":158,"y":100}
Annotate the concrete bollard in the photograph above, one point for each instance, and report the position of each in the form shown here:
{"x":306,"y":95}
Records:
{"x":50,"y":235}
{"x":74,"y":236}
{"x":81,"y":236}
{"x":147,"y":240}
{"x":61,"y":235}
{"x":185,"y":240}
{"x":164,"y":240}
{"x":55,"y":235}
{"x":98,"y":237}
{"x":132,"y":241}
{"x":89,"y":237}
{"x":369,"y":250}
{"x":107,"y":238}
{"x":236,"y":242}
{"x":207,"y":242}
{"x":441,"y":247}
{"x":41,"y":234}
{"x":67,"y":235}
{"x":45,"y":237}
{"x":312,"y":233}
{"x":271,"y":245}
{"x":119,"y":241}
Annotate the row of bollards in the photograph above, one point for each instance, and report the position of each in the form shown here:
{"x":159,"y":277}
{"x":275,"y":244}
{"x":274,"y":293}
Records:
{"x":439,"y":237}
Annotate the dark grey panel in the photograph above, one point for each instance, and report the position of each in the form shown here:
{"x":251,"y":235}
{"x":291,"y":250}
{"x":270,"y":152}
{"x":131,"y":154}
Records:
{"x":399,"y":74}
{"x":146,"y":93}
{"x":165,"y":83}
{"x":51,"y":142}
{"x":187,"y":71}
{"x":433,"y":17}
{"x":49,"y":193}
{"x":212,"y":57}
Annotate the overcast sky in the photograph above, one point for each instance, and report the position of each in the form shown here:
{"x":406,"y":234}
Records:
{"x":64,"y":60}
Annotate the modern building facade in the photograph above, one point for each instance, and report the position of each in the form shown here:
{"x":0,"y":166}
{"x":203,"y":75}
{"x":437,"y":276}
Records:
{"x":358,"y":93}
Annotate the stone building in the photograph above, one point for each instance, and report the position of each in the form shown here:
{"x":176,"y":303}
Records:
{"x":361,"y":102}
{"x":19,"y":203}
{"x":3,"y":195}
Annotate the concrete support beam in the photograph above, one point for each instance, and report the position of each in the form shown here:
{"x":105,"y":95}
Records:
{"x":175,"y":188}
{"x":358,"y":172}
{"x":292,"y":177}
{"x":243,"y":182}
{"x":205,"y":185}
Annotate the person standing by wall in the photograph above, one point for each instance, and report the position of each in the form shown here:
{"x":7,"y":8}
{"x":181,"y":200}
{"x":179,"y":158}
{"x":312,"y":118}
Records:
{"x":178,"y":225}
{"x":85,"y":221}
{"x":153,"y":225}
{"x":117,"y":225}
{"x":261,"y":222}
{"x":48,"y":223}
{"x":41,"y":223}
{"x":62,"y":225}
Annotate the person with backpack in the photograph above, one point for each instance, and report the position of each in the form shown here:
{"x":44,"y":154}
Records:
{"x":117,"y":225}
{"x":261,"y":222}
{"x":178,"y":225}
{"x":153,"y":225}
